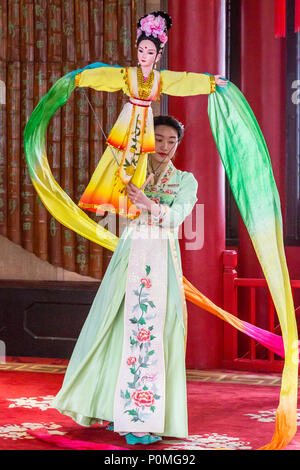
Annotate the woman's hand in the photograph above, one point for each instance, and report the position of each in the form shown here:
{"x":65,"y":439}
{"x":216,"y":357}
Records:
{"x":221,"y":81}
{"x":139,"y":198}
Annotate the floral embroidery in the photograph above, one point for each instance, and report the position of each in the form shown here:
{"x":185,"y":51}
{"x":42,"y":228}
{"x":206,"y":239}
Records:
{"x":130,"y":166}
{"x":161,"y":193}
{"x":163,"y":180}
{"x":146,"y":282}
{"x":140,"y":396}
{"x":43,"y":403}
{"x":19,"y":431}
{"x":144,"y":335}
{"x":131,"y":360}
{"x":143,"y":398}
{"x":208,"y":441}
{"x":155,"y":199}
{"x":268,"y":416}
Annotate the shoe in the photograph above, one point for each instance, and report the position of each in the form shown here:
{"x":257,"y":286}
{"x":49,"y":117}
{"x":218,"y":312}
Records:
{"x":131,"y":439}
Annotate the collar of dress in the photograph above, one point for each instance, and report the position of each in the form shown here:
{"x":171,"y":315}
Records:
{"x":163,"y":178}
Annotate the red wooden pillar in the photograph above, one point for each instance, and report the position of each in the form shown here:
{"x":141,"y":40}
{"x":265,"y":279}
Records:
{"x":197,"y":44}
{"x":230,"y":304}
{"x":263,"y":84}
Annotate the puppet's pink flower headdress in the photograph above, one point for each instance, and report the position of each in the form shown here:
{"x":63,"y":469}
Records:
{"x":154,"y":26}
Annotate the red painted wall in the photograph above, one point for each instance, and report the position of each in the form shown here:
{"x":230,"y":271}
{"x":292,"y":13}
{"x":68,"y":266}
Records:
{"x":263,"y":84}
{"x":263,"y":70}
{"x":197,"y":44}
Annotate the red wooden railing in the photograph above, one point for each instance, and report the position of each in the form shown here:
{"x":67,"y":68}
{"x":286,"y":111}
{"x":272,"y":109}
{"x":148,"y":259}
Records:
{"x":252,"y":359}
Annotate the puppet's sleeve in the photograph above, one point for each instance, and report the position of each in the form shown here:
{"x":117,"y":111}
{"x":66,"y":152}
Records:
{"x":102,"y":78}
{"x":186,"y":83}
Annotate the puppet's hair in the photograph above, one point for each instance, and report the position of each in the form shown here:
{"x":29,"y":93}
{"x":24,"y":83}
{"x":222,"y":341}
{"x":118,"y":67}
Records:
{"x":153,"y":27}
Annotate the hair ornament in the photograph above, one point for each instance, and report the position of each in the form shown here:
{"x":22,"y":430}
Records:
{"x":155,"y":25}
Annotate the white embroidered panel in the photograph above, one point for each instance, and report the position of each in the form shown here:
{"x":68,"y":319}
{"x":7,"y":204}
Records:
{"x":139,"y":404}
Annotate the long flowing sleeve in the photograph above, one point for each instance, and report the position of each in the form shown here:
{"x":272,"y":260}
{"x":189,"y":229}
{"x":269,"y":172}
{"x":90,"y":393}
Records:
{"x":186,"y":83}
{"x":174,"y":215}
{"x":102,"y":78}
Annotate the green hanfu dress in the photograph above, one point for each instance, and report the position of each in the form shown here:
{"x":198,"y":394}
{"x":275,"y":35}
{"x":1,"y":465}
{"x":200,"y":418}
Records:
{"x":128,"y":365}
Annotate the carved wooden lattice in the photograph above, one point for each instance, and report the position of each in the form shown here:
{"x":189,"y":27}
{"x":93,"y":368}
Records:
{"x":41,"y":41}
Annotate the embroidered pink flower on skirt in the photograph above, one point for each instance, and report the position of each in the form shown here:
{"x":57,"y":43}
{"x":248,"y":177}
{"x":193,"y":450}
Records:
{"x":144,"y":335}
{"x":143,"y":398}
{"x":131,"y":360}
{"x":146,"y":282}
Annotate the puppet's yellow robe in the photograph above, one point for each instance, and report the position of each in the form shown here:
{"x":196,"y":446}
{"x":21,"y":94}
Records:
{"x":132,"y":136}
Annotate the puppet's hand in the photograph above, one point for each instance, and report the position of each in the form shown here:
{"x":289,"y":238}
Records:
{"x":221,"y":81}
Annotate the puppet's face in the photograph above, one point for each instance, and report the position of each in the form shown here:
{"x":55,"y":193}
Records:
{"x":147,"y":53}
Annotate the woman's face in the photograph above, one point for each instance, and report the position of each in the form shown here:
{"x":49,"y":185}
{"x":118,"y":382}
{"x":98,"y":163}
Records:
{"x":147,"y":53}
{"x":166,"y":143}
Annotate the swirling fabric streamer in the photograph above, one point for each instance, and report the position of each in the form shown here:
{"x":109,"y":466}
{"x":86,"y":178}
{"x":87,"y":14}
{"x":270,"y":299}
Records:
{"x":58,"y":203}
{"x":245,"y":158}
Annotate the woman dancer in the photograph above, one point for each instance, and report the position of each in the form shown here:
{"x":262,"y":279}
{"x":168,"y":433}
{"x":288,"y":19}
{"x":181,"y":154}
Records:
{"x":128,"y":366}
